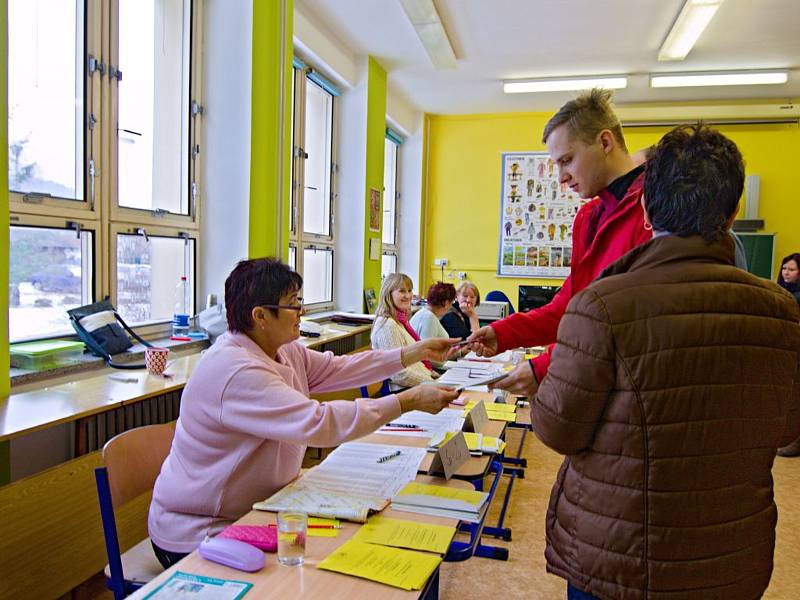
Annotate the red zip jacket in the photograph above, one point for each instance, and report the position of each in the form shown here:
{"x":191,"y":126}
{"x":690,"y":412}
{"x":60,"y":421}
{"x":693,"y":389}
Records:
{"x":621,"y":231}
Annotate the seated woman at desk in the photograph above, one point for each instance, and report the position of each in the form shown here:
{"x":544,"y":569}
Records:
{"x":461,"y":320}
{"x":392,"y":329}
{"x":426,"y":322}
{"x":246,"y":416}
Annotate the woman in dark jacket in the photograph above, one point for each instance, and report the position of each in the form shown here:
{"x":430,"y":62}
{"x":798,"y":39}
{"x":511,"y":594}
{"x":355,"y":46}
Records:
{"x":461,"y":320}
{"x":673,"y":382}
{"x":789,"y":278}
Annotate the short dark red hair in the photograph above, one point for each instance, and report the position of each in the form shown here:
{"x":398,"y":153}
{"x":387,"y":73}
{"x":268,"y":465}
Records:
{"x":254,"y":283}
{"x":441,"y":294}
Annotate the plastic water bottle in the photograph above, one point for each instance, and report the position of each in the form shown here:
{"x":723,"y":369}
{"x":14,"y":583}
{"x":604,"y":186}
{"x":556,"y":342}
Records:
{"x":180,"y":317}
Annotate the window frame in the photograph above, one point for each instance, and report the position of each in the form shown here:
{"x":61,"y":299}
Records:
{"x":98,"y":211}
{"x":393,"y":248}
{"x":298,"y":238}
{"x":53,"y":222}
{"x":157,"y":325}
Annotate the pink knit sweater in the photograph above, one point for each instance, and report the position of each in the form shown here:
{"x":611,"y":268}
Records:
{"x":244,"y":426}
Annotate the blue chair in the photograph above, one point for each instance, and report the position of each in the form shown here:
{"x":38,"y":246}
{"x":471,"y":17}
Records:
{"x":498,"y":296}
{"x":132,"y":462}
{"x":384,"y":391}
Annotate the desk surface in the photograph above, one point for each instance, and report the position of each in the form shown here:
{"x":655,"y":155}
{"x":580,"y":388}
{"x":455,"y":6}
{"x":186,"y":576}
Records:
{"x":277,"y":581}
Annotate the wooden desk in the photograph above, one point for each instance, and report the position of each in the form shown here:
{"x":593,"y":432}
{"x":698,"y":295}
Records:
{"x":278,"y":581}
{"x":336,"y":337}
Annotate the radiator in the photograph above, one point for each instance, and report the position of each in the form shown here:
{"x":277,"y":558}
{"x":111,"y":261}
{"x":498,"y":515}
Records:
{"x":91,"y":433}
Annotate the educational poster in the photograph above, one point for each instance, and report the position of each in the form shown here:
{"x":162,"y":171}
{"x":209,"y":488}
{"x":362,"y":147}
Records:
{"x":374,"y":210}
{"x":536,"y":217}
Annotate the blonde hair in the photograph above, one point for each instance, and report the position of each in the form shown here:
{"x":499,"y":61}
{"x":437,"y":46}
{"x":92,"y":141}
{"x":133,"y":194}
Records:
{"x":468,"y":284}
{"x":392,"y":282}
{"x":586,"y":116}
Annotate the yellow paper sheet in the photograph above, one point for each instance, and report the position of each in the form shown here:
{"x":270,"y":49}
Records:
{"x":405,"y":569}
{"x":496,"y":407}
{"x":501,"y":416}
{"x":439,"y":491}
{"x":406,"y":534}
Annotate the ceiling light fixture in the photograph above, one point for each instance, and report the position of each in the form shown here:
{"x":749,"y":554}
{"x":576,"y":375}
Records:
{"x":692,"y":20}
{"x":564,"y":84}
{"x":431,"y":32}
{"x":660,"y":80}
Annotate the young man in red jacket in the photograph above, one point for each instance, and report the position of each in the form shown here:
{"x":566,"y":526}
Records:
{"x":585,"y":140}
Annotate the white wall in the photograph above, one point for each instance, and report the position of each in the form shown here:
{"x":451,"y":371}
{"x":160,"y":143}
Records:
{"x":225,"y":192}
{"x":409,"y":222}
{"x":351,"y":204}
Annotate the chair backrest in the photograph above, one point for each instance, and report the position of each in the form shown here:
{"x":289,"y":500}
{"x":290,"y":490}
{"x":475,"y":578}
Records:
{"x":498,"y":296}
{"x":133,"y":460}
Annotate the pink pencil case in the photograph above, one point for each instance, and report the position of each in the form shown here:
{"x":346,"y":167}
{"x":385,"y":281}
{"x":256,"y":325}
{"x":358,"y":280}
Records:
{"x":260,"y":536}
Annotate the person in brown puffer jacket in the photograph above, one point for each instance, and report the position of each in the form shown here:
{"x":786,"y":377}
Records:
{"x":674,"y":381}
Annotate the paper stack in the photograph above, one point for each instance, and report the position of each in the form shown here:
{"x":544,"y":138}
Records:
{"x":465,"y":505}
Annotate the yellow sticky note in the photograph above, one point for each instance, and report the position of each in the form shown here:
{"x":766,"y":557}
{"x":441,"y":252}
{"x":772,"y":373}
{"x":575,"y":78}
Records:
{"x":406,"y":534}
{"x":405,"y":569}
{"x":322,"y":531}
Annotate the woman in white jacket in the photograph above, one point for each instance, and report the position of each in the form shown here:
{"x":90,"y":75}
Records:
{"x":392,"y":329}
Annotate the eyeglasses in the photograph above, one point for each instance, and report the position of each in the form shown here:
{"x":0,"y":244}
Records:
{"x":297,"y":307}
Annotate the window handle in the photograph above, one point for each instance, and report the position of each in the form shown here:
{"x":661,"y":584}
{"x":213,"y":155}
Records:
{"x":131,"y":132}
{"x":310,"y":187}
{"x":142,"y":231}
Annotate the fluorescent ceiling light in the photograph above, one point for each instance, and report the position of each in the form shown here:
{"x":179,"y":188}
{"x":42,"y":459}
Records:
{"x":564,"y":84}
{"x":431,"y":32}
{"x":718,"y":78}
{"x":692,"y":20}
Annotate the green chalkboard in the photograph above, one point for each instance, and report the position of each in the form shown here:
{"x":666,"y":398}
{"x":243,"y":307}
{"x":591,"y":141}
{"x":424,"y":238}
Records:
{"x":760,"y":251}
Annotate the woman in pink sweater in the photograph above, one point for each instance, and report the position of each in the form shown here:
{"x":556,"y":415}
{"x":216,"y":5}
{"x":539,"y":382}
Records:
{"x":246,"y":416}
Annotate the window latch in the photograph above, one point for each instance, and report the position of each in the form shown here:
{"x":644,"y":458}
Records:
{"x":197,"y":109}
{"x":76,"y":226}
{"x":184,"y":236}
{"x":114,"y":73}
{"x":94,"y":64}
{"x":142,"y":231}
{"x":160,"y":212}
{"x":35,"y":197}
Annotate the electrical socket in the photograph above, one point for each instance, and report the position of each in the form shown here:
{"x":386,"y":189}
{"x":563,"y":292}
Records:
{"x":440,"y":262}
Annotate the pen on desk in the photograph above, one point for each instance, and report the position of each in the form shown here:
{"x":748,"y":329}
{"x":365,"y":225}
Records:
{"x":388,"y":457}
{"x":404,"y":425}
{"x":382,"y":429}
{"x":123,"y":379}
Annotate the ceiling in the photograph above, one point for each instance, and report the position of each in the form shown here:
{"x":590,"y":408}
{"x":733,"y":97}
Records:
{"x":501,"y":39}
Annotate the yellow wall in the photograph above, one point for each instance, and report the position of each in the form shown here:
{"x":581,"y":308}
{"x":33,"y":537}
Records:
{"x":463,"y":187}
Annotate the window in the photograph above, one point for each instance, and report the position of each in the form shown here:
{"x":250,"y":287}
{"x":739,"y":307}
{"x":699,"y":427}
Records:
{"x":50,"y":272}
{"x":312,"y":245}
{"x":390,"y":201}
{"x":388,"y":264}
{"x":104,"y":134}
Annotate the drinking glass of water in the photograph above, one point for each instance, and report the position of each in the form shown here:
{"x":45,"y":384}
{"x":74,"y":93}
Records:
{"x":292,"y":527}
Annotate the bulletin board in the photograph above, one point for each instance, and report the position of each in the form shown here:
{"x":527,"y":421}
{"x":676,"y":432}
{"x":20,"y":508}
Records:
{"x":536,"y":215}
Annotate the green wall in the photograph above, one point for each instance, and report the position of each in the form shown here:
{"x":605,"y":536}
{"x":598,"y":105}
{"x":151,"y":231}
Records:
{"x":270,"y":135}
{"x":376,"y":134}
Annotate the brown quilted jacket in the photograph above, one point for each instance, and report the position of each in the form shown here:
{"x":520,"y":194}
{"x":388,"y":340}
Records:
{"x":674,"y":381}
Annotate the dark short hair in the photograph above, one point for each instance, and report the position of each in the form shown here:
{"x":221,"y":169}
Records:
{"x":441,"y":294}
{"x":693,"y":182}
{"x":586,"y":116}
{"x":254,"y":283}
{"x":795,"y":256}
